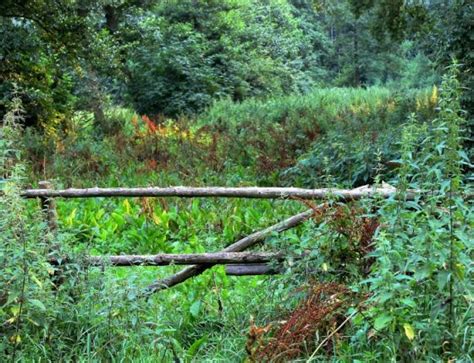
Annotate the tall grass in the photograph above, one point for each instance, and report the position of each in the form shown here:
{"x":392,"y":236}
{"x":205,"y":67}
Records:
{"x":348,"y":126}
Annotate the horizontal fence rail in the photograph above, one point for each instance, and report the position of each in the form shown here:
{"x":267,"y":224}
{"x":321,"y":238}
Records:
{"x":251,"y":269}
{"x":166,"y":259}
{"x":216,"y":192}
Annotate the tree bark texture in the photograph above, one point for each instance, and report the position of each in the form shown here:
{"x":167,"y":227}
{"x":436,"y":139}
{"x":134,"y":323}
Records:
{"x":180,"y":259}
{"x":251,"y":269}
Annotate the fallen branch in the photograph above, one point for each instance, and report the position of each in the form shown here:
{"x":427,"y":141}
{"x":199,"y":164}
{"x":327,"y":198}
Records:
{"x":179,"y":259}
{"x":240,"y":245}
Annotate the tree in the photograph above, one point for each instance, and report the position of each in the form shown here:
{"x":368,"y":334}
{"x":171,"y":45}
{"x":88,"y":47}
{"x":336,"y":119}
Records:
{"x":50,"y":47}
{"x":192,"y":53}
{"x":443,"y":30}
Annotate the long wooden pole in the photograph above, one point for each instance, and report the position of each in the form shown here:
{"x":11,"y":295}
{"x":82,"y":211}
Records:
{"x":251,"y":269}
{"x":180,"y":259}
{"x":240,"y":245}
{"x":215,"y":192}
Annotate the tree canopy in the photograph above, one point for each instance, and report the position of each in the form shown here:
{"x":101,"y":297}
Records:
{"x":178,"y":57}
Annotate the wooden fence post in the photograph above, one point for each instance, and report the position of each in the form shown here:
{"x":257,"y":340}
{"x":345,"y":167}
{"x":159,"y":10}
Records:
{"x":48,"y":206}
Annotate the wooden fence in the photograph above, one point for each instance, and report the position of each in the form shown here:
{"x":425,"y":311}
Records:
{"x":237,"y":262}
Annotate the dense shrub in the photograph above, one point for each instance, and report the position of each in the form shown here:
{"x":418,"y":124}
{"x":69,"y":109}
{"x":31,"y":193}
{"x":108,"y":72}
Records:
{"x":53,"y":313}
{"x":280,"y":140}
{"x":407,"y":260}
{"x":404,"y":256}
{"x":423,"y":271}
{"x":348,"y":132}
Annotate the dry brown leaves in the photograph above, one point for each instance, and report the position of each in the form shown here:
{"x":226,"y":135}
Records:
{"x":319,"y":314}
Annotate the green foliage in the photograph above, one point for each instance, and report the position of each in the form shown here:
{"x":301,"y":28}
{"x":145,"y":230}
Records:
{"x":70,"y":312}
{"x":255,"y":139}
{"x":415,"y":272}
{"x":202,"y":51}
{"x":442,"y":30}
{"x":237,"y":93}
{"x":57,"y":55}
{"x":30,"y":68}
{"x":177,"y":57}
{"x":411,"y":258}
{"x":352,"y":150}
{"x":422,"y":279}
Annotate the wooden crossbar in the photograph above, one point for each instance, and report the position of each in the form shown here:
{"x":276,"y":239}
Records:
{"x":164,"y":259}
{"x":237,"y":246}
{"x":215,"y":192}
{"x":251,"y":269}
{"x":237,"y":263}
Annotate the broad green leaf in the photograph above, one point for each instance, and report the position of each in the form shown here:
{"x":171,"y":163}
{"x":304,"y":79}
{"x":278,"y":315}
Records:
{"x":384,"y":297}
{"x":409,"y":302}
{"x":194,"y":309}
{"x":126,"y":204}
{"x":15,"y":310}
{"x":156,"y":219}
{"x":443,"y":278}
{"x":382,"y":321}
{"x":36,"y":281}
{"x":38,"y":304}
{"x":71,"y":217}
{"x":194,"y":348}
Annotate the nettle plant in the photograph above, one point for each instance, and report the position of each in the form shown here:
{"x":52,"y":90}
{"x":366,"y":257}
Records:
{"x":21,"y":289}
{"x":421,"y":285}
{"x":43,"y":315}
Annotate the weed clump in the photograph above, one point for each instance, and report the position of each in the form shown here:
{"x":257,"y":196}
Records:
{"x":321,"y":312}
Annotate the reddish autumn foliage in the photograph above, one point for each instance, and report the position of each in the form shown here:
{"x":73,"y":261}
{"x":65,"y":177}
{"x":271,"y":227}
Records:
{"x":152,"y":128}
{"x":319,"y":313}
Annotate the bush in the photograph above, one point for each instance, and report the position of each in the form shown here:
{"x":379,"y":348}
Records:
{"x":422,"y":277}
{"x":67,"y":312}
{"x":344,"y":130}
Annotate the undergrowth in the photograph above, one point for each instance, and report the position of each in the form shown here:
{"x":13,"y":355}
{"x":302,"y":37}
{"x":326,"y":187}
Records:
{"x":264,"y":142}
{"x":414,"y":281}
{"x":381,"y":280}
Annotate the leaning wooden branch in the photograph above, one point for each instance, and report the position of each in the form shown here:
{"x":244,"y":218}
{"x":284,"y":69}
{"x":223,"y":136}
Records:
{"x":215,"y":192}
{"x":179,"y":259}
{"x":240,"y":245}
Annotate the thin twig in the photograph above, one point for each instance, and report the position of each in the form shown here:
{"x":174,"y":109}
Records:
{"x":330,"y":335}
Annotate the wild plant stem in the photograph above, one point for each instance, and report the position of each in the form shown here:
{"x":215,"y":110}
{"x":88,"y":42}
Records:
{"x":451,"y":264}
{"x":330,"y":335}
{"x":22,"y":294}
